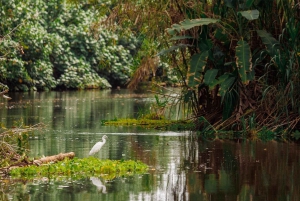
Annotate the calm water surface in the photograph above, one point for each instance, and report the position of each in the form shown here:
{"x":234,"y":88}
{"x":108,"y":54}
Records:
{"x":182,"y":166}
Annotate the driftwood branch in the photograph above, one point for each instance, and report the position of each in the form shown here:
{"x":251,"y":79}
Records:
{"x":54,"y":158}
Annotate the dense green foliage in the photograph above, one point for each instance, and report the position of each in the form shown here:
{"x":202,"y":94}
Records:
{"x":238,"y":60}
{"x":82,"y":168}
{"x":48,"y":44}
{"x":14,"y":143}
{"x":228,"y":59}
{"x":162,"y":124}
{"x":238,"y":69}
{"x":13,"y":147}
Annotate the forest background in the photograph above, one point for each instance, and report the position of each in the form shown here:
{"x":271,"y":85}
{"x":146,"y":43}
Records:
{"x":237,"y":61}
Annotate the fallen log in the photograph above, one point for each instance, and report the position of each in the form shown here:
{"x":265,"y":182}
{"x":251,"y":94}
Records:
{"x":54,"y":158}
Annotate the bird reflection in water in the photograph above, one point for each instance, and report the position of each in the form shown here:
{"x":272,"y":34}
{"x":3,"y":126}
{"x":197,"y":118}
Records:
{"x":98,"y":183}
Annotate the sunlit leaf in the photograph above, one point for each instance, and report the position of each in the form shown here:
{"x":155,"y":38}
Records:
{"x":250,"y":14}
{"x":188,"y":24}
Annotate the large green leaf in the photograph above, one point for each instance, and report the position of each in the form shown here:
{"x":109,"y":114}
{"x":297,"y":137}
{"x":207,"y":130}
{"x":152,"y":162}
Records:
{"x":250,"y":14}
{"x":243,"y":61}
{"x":197,"y":66}
{"x":220,"y":80}
{"x":226,"y":85}
{"x":188,"y":24}
{"x":210,"y":76}
{"x":269,"y":41}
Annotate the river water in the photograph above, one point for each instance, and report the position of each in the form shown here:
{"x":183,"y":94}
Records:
{"x":182,"y":166}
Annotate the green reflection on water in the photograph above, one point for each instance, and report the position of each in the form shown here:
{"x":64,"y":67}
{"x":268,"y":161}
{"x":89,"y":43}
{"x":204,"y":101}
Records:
{"x":182,"y":167}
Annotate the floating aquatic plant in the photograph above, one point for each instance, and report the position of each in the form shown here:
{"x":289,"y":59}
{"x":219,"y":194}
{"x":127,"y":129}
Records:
{"x":163,"y":124}
{"x":79,"y":168}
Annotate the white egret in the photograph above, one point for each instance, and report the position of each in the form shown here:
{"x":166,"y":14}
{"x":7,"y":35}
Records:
{"x":98,"y":146}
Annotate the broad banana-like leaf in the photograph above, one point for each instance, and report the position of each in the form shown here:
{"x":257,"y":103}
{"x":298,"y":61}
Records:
{"x":269,"y":41}
{"x":210,"y":76}
{"x":250,"y":14}
{"x":197,"y":66}
{"x":243,"y":60}
{"x":226,"y":85}
{"x":188,"y":24}
{"x":220,"y":80}
{"x":174,"y":47}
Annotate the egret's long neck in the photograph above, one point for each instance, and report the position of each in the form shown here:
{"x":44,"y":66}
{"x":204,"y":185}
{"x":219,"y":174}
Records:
{"x":104,"y":140}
